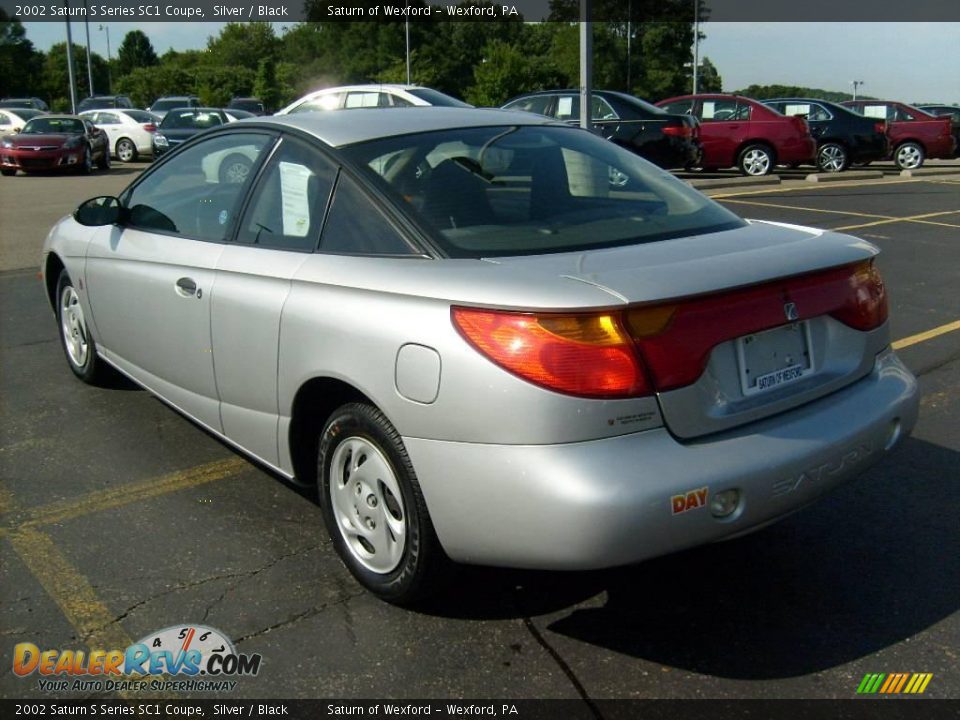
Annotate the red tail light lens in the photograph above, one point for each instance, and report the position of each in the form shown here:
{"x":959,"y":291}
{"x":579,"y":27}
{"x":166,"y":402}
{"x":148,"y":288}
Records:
{"x":586,"y":355}
{"x":866,"y":303}
{"x":660,"y":347}
{"x":149,"y":127}
{"x":684,"y":131}
{"x":880,"y":127}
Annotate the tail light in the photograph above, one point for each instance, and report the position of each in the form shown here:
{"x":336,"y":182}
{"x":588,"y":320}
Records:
{"x":880,"y":127}
{"x":663,"y":346}
{"x":586,"y":355}
{"x":801,"y":124}
{"x":149,"y":127}
{"x":682,"y":130}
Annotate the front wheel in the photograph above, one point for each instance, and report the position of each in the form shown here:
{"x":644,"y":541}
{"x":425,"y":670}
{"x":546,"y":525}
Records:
{"x":832,"y":157}
{"x":86,"y":164}
{"x":373,"y":507}
{"x":235,"y":169}
{"x":909,"y":156}
{"x":755,"y":160}
{"x":104,"y":162}
{"x":75,"y":338}
{"x":8,"y":172}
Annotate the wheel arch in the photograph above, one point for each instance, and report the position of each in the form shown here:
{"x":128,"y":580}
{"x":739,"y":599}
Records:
{"x":313,"y":403}
{"x":756,"y":141}
{"x":52,"y":268}
{"x":916,"y":141}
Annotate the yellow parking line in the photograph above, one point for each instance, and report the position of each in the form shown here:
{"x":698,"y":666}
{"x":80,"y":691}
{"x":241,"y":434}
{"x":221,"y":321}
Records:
{"x":912,"y":218}
{"x":806,"y":209}
{"x":134,"y":492}
{"x":928,"y":335}
{"x":69,"y":589}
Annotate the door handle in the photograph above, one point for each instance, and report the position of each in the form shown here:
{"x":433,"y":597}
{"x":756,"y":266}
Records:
{"x":187,"y":287}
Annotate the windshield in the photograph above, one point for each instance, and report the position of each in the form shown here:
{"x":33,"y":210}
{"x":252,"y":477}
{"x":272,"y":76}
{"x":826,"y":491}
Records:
{"x":534,"y":189}
{"x":44,"y":125}
{"x":190,"y":120}
{"x":435,"y":97}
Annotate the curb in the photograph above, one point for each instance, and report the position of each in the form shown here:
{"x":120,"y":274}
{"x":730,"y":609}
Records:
{"x":846,"y":175}
{"x":711,"y":183}
{"x":921,"y":172}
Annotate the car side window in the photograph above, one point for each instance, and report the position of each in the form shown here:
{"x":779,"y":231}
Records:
{"x":568,"y":107}
{"x":288,"y":204}
{"x":328,"y":101}
{"x":355,"y":226}
{"x":362,"y":99}
{"x":678,"y":107}
{"x":4,"y":120}
{"x":536,"y":104}
{"x":723,"y":111}
{"x":388,"y":100}
{"x":601,"y":110}
{"x":106,"y":119}
{"x":197,"y":192}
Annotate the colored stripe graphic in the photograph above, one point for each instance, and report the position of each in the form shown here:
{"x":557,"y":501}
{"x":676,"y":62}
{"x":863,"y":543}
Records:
{"x":894,"y":683}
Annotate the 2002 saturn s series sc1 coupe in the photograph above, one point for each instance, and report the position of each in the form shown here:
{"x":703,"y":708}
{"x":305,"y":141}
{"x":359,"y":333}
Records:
{"x":487,"y":337}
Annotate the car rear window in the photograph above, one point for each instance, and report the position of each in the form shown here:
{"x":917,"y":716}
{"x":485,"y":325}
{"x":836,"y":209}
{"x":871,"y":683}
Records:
{"x":521,"y":190}
{"x":435,"y":97}
{"x":190,"y":120}
{"x":140,"y":116}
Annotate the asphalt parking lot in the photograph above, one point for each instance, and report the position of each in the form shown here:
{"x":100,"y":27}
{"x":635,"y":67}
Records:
{"x":118,"y":517}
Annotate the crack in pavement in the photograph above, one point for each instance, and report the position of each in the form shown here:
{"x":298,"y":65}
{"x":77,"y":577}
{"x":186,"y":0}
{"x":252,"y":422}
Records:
{"x":305,"y":615}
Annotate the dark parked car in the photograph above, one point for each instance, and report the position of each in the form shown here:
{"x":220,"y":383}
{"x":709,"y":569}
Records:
{"x":913,"y":134}
{"x":743,"y":133}
{"x":55,"y":142}
{"x":249,"y":104}
{"x":181,"y":124}
{"x":105,"y":102}
{"x":162,"y":105}
{"x":670,"y":141}
{"x":33,"y":103}
{"x":843,"y":136}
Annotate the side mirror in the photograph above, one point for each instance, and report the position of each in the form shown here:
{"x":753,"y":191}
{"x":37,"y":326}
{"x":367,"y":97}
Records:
{"x":104,"y":210}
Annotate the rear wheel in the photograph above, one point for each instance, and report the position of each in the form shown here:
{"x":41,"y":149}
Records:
{"x":832,"y":157}
{"x":126,"y":150}
{"x":909,"y":156}
{"x":373,"y":507}
{"x":75,"y":338}
{"x":756,"y":160}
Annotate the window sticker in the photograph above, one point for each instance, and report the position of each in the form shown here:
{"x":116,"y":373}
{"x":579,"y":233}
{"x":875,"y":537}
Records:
{"x":294,"y":179}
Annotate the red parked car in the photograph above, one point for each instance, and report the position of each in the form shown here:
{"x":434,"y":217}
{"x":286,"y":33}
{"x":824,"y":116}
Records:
{"x":739,"y":132}
{"x":55,"y":142}
{"x":914,"y":134}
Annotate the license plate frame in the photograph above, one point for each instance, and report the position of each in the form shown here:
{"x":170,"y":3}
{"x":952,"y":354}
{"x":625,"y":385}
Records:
{"x":774,"y":358}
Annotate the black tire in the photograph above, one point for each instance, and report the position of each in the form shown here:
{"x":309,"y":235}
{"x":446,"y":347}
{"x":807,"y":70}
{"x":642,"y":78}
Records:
{"x":235,"y":168}
{"x":86,"y":164}
{"x":360,"y":428}
{"x":8,"y":172}
{"x":126,"y":150}
{"x":104,"y":162}
{"x":909,"y":155}
{"x":756,"y":160}
{"x":832,"y":157}
{"x":86,"y":366}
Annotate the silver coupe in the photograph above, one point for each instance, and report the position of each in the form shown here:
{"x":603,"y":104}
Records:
{"x":485,"y":337}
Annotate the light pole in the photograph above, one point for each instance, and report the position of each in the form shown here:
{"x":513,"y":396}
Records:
{"x":109,"y":74}
{"x":73,"y":83}
{"x":856,"y":84}
{"x":696,"y":44}
{"x":86,"y":25}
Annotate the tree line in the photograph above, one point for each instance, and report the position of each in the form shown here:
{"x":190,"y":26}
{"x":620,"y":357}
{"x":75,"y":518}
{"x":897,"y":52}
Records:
{"x":485,"y":63}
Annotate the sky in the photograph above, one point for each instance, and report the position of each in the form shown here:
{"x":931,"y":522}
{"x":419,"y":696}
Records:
{"x":912,"y":62}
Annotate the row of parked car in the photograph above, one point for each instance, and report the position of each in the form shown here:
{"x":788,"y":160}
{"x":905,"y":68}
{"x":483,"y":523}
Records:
{"x":707,"y":131}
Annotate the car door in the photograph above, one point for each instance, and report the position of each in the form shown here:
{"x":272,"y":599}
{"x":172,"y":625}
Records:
{"x":110,"y":123}
{"x":151,"y":280}
{"x":724,"y":125}
{"x":279,"y":229}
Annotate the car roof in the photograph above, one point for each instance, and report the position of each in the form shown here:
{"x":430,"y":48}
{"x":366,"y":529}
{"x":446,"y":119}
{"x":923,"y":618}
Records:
{"x":362,"y":124}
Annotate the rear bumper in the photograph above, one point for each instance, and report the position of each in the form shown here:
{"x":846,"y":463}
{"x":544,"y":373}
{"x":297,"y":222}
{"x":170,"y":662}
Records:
{"x":797,"y":150}
{"x":611,"y":502}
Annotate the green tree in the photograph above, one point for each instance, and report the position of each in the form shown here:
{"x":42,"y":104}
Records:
{"x":135,"y":51}
{"x":55,"y":82}
{"x":506,"y":71}
{"x":265,"y":85}
{"x":242,"y":45}
{"x":20,"y":64}
{"x":709,"y":79}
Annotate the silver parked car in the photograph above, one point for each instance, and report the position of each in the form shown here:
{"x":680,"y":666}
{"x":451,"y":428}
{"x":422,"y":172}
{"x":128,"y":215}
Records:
{"x":487,"y":337}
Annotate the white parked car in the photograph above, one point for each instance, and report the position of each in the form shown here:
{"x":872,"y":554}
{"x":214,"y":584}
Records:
{"x":13,"y":120}
{"x":369,"y":96}
{"x":130,"y":131}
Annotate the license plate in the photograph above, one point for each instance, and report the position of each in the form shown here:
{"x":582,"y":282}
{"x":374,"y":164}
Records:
{"x":774,"y":358}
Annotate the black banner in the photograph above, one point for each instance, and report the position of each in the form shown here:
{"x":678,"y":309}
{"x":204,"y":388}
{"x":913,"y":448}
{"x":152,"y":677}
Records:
{"x":481,"y":10}
{"x":859,"y":709}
